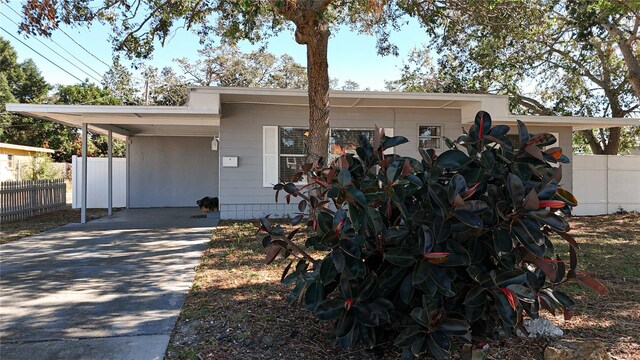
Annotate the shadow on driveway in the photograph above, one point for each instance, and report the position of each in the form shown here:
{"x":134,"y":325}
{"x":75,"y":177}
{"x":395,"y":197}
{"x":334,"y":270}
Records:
{"x":108,"y":289}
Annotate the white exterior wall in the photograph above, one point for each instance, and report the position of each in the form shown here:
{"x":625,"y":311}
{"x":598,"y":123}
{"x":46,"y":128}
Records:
{"x":242,"y":194}
{"x":603,"y":184}
{"x":98,"y":182}
{"x":171,"y":171}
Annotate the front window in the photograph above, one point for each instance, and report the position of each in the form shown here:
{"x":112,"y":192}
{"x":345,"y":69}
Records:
{"x":430,"y":137}
{"x":293,"y":146}
{"x":347,"y":140}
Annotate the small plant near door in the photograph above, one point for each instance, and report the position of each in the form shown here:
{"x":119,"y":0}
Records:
{"x":450,"y":248}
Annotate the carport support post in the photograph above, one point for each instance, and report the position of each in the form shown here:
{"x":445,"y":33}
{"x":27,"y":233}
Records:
{"x":110,"y":173}
{"x":83,"y":211}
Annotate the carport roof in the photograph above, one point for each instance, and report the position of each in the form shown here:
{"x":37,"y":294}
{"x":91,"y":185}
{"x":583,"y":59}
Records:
{"x":128,"y":120}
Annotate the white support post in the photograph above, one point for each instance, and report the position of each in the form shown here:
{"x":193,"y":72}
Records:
{"x":83,"y":211}
{"x":128,"y":167}
{"x":110,"y":173}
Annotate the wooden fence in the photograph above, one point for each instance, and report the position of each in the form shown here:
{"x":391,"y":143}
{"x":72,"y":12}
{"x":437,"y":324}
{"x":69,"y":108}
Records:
{"x":23,"y":199}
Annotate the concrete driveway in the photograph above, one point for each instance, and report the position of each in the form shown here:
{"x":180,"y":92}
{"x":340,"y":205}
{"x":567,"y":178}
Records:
{"x":108,"y":289}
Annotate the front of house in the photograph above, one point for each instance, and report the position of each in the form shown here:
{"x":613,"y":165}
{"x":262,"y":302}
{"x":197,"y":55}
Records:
{"x":234,"y":143}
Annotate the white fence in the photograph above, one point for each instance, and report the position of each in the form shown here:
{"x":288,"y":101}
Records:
{"x":98,"y":182}
{"x":24,"y":199}
{"x":604,"y":184}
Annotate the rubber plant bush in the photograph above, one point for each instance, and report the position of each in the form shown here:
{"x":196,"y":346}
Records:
{"x":431,"y":252}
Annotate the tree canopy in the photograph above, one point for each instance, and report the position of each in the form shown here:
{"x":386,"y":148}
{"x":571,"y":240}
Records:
{"x":553,"y":57}
{"x":227,"y":65}
{"x":139,"y":25}
{"x":23,"y":83}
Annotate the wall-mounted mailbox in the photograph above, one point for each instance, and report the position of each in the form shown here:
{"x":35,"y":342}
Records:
{"x":229,"y":161}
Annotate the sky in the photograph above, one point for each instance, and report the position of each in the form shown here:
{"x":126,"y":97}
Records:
{"x":351,"y":56}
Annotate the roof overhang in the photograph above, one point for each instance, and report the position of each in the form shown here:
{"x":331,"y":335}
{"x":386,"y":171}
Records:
{"x":346,"y":99}
{"x":575,"y":122}
{"x":128,"y":120}
{"x":26,"y":148}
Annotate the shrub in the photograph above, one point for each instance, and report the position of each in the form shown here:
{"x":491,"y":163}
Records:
{"x":40,"y":167}
{"x":450,"y":247}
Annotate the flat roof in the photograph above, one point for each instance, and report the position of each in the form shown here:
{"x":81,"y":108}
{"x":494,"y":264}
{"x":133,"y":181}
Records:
{"x":201,"y":117}
{"x":25,"y":148}
{"x":127,"y":120}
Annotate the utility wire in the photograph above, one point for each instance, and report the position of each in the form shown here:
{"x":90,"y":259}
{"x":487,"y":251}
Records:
{"x":70,"y":37}
{"x":57,"y":53}
{"x":44,"y":57}
{"x":83,"y":48}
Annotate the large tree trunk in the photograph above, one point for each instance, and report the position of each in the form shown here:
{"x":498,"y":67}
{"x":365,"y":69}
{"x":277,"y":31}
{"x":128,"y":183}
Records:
{"x":313,"y":31}
{"x":316,"y":37}
{"x":603,"y":148}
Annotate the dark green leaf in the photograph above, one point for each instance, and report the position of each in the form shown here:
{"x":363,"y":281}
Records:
{"x":516,"y":189}
{"x":523,"y":133}
{"x":420,"y":316}
{"x":344,"y":177}
{"x":552,"y":220}
{"x":390,"y":142}
{"x":468,"y":217}
{"x":483,"y":123}
{"x":368,"y":287}
{"x":328,"y":270}
{"x":330,"y":309}
{"x":454,"y":327}
{"x":452,"y":159}
{"x":408,"y":336}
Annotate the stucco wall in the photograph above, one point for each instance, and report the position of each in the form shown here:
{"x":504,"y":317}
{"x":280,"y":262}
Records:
{"x":171,"y":171}
{"x":242,"y":194}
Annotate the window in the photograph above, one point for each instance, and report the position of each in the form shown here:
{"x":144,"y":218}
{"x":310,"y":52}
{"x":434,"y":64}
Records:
{"x":429,"y":137}
{"x":284,"y":149}
{"x":293,"y":145}
{"x":347,"y":140}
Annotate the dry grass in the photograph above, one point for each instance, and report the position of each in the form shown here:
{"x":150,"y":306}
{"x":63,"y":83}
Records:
{"x":15,"y":230}
{"x":237,"y":308}
{"x":610,"y":246}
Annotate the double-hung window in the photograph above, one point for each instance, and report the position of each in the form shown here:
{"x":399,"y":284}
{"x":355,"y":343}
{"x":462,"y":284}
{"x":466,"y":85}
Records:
{"x":429,"y":137}
{"x":284,"y":149}
{"x":293,"y":148}
{"x":346,"y":140}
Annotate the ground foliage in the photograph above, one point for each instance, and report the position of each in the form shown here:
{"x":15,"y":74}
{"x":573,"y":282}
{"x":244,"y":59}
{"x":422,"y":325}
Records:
{"x":453,"y":248}
{"x":237,"y":310}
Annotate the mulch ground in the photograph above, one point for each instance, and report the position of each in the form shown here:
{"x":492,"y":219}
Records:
{"x":15,"y":230}
{"x":237,"y":307}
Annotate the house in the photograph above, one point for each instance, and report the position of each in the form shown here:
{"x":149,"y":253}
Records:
{"x":234,"y":143}
{"x":12,"y":157}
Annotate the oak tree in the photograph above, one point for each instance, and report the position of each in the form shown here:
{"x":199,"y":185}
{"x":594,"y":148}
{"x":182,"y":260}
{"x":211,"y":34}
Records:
{"x":138,"y":25}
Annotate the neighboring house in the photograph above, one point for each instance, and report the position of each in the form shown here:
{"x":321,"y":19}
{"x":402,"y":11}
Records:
{"x":13,"y":157}
{"x":234,"y":143}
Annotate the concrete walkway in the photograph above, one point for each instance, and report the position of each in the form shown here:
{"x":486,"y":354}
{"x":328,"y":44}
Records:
{"x":108,"y":289}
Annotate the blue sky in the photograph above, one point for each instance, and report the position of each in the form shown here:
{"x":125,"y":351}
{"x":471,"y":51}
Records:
{"x":351,"y":56}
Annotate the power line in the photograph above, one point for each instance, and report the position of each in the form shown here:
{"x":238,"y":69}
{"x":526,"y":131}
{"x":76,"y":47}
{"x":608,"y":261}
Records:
{"x":44,"y":57}
{"x":57,"y":53}
{"x":70,"y":37}
{"x":83,"y":48}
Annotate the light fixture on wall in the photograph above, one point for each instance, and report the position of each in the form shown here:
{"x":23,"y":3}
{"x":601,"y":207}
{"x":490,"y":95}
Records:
{"x":215,"y":142}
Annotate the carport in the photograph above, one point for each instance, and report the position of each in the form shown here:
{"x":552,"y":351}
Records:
{"x":169,"y":149}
